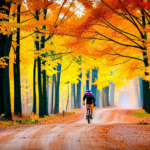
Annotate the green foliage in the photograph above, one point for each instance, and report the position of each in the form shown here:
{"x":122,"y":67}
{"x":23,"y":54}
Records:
{"x":14,"y":123}
{"x":2,"y":115}
{"x":93,"y":41}
{"x":141,"y":113}
{"x":5,"y":123}
{"x":19,"y":122}
{"x":28,"y":121}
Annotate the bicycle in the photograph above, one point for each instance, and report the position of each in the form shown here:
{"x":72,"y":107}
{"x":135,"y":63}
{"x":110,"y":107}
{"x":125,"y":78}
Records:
{"x":88,"y":113}
{"x":89,"y":116}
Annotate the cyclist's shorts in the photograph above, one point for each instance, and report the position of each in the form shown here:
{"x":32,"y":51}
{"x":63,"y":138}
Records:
{"x":89,"y":100}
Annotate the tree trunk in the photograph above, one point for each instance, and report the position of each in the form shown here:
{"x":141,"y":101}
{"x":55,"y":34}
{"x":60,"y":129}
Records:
{"x":74,"y":95}
{"x":87,"y":81}
{"x":103,"y":96}
{"x":78,"y":96}
{"x":137,"y":87}
{"x":27,"y":98}
{"x":111,"y":93}
{"x":57,"y":89}
{"x":53,"y":93}
{"x":34,"y":88}
{"x":5,"y":45}
{"x":146,"y":92}
{"x":94,"y":87}
{"x":45,"y":109}
{"x":107,"y":95}
{"x":141,"y":92}
{"x":48,"y":95}
{"x":68,"y":98}
{"x":44,"y":94}
{"x":15,"y":99}
{"x":17,"y":86}
{"x":6,"y":84}
{"x":1,"y":92}
{"x":1,"y":69}
{"x":1,"y":75}
{"x":41,"y":112}
{"x":98,"y":95}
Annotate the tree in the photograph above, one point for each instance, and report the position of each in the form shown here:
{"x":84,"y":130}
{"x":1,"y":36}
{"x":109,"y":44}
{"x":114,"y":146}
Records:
{"x":5,"y":45}
{"x":87,"y":81}
{"x":17,"y":86}
{"x":57,"y":89}
{"x":126,"y":24}
{"x":94,"y":87}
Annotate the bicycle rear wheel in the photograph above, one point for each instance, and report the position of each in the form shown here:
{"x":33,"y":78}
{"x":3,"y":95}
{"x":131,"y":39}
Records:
{"x":88,"y":120}
{"x":89,"y":117}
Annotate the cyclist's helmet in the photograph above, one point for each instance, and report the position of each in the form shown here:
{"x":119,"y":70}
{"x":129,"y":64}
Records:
{"x":88,"y":91}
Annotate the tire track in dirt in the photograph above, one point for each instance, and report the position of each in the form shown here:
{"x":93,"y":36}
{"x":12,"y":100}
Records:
{"x":42,"y":138}
{"x":72,"y":138}
{"x":19,"y":139}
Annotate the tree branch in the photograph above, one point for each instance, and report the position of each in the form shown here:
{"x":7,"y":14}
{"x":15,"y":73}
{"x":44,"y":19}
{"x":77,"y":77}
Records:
{"x":68,"y":66}
{"x":27,"y":36}
{"x":122,"y":62}
{"x":124,"y":56}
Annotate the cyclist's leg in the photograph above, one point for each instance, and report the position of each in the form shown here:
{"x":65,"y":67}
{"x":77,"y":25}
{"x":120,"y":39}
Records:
{"x":91,"y":108}
{"x":87,"y":105}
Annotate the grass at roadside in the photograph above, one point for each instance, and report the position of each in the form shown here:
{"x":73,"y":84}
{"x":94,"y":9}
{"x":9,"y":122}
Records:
{"x":138,"y":116}
{"x":143,"y":116}
{"x":141,"y":113}
{"x":34,"y":119}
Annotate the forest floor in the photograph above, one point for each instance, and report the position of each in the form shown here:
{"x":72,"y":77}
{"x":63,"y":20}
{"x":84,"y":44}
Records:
{"x":111,"y":129}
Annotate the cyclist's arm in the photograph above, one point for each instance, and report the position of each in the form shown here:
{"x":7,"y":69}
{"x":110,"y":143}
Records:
{"x":84,"y":97}
{"x":84,"y":100}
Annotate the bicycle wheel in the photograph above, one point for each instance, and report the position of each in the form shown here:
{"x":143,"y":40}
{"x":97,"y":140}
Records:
{"x":89,"y":115}
{"x":88,"y":120}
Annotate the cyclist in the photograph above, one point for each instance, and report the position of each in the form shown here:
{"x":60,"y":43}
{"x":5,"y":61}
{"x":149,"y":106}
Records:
{"x":90,"y":101}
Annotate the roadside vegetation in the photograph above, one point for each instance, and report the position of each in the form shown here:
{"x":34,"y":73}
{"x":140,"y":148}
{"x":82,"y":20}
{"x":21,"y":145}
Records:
{"x":137,"y":116}
{"x":141,"y":113}
{"x":34,"y":119}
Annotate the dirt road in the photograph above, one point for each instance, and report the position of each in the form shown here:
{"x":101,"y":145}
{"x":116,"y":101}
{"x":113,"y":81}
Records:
{"x":107,"y":131}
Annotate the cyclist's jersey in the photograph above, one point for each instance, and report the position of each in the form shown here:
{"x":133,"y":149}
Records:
{"x":89,"y":98}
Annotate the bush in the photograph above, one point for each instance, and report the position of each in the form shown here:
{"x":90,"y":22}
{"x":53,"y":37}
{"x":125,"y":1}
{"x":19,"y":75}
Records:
{"x":27,"y":121}
{"x":6,"y":123}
